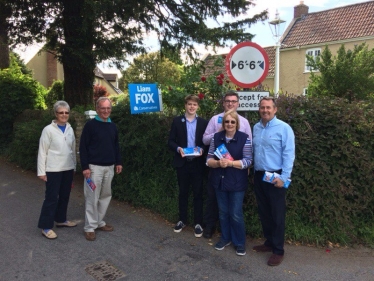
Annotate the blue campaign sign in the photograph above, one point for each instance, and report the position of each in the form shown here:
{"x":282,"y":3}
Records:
{"x":144,"y":98}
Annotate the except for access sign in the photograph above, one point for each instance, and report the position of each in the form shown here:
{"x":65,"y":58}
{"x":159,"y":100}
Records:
{"x":247,"y":64}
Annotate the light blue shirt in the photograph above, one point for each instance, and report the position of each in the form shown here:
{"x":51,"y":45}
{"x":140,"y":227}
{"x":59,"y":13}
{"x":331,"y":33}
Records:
{"x":191,"y":132}
{"x":274,"y":147}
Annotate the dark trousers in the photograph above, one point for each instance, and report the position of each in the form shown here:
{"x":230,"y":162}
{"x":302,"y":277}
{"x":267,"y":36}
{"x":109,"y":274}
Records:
{"x":191,"y":174}
{"x":211,"y":208}
{"x":57,"y":193}
{"x":271,"y":203}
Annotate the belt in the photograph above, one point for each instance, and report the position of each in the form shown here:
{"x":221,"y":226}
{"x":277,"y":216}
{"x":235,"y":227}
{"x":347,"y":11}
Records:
{"x":263,"y":172}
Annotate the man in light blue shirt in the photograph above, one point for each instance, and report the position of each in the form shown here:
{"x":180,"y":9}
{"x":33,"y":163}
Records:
{"x":274,"y":151}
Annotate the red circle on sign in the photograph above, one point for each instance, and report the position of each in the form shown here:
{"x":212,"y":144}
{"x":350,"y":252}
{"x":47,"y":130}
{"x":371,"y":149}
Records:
{"x":263,"y":57}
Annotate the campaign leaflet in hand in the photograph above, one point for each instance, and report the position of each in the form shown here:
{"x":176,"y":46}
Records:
{"x":268,"y":177}
{"x":192,"y":151}
{"x":222,"y":150}
{"x":91,"y":184}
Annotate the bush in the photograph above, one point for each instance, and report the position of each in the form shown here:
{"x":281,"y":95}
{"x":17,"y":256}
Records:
{"x":98,"y":92}
{"x":23,"y":149}
{"x":55,"y":93}
{"x":331,"y":191}
{"x":148,"y":178}
{"x":331,"y":197}
{"x":17,"y":92}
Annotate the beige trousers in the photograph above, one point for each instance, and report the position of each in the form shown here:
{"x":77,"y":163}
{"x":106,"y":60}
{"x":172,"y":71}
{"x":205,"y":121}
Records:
{"x":97,"y":201}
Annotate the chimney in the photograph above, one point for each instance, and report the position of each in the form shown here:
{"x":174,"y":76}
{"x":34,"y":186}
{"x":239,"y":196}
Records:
{"x":51,"y":68}
{"x":300,"y":10}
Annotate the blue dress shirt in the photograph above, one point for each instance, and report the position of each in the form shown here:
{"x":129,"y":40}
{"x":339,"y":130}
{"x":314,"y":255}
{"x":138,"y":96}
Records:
{"x":274,"y":147}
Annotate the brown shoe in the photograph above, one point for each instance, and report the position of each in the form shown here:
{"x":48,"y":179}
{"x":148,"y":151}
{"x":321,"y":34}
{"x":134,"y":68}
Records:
{"x":90,"y":236}
{"x":106,"y":227}
{"x":262,"y":248}
{"x":275,"y":260}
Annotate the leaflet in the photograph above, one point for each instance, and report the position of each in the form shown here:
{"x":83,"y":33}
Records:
{"x":192,"y":151}
{"x":222,"y":150}
{"x":269,"y":177}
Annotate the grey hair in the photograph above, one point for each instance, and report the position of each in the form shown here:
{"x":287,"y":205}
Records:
{"x":101,"y":99}
{"x":60,"y":103}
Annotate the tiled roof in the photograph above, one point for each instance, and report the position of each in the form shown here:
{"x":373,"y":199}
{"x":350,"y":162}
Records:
{"x":110,"y":76}
{"x":271,"y":54}
{"x":99,"y":73}
{"x":336,"y":24}
{"x":210,"y":68}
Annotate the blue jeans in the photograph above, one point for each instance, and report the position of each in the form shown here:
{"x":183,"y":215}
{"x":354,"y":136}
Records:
{"x":57,"y":193}
{"x":230,"y":205}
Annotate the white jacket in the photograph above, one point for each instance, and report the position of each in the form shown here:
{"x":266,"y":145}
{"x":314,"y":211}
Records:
{"x":56,"y":149}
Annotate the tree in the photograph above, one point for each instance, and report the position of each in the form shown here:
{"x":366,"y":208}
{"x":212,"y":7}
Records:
{"x":99,"y":91}
{"x":85,"y":32}
{"x":5,"y":13}
{"x":18,"y":92}
{"x":150,"y":68}
{"x":348,"y":75}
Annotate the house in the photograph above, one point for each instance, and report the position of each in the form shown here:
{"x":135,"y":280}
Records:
{"x":46,"y":69}
{"x":111,"y":86}
{"x":210,"y":67}
{"x":309,"y":33}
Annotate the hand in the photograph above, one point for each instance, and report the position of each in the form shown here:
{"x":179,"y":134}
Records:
{"x":278,"y":182}
{"x":181,"y":152}
{"x":224,"y":163}
{"x":118,"y":169}
{"x":86,"y":173}
{"x":43,"y":178}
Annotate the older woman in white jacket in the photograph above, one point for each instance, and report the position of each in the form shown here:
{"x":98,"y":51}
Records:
{"x":56,"y":166}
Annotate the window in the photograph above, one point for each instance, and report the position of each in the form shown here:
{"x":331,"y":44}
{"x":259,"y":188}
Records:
{"x":305,"y":91}
{"x":314,"y":53}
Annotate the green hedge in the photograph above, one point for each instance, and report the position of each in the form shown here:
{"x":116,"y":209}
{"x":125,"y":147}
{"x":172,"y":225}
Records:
{"x":23,"y":149}
{"x":331,"y":197}
{"x":18,"y":92}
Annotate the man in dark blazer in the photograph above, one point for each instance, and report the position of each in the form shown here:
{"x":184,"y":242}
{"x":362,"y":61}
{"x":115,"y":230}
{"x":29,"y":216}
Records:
{"x":187,"y":132}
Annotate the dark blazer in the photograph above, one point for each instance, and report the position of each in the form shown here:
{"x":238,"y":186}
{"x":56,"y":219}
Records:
{"x":178,"y":138}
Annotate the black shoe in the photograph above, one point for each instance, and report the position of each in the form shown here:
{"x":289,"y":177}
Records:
{"x":198,"y":231}
{"x":208,"y":232}
{"x":179,"y":226}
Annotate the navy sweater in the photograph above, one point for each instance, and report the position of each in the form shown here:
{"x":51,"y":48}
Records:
{"x":99,"y":144}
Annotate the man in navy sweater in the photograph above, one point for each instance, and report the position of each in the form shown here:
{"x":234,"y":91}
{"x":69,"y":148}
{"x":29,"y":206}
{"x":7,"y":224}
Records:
{"x":100,"y":155}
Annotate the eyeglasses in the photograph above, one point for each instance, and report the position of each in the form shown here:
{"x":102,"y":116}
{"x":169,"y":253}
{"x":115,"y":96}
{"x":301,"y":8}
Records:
{"x":230,"y":101}
{"x":105,"y":108}
{"x":230,"y":121}
{"x":63,"y":112}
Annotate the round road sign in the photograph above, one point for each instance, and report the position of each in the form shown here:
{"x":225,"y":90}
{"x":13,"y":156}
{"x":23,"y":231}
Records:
{"x":247,"y":64}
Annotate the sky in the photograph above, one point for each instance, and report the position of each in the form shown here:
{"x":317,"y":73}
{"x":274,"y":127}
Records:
{"x":262,"y":31}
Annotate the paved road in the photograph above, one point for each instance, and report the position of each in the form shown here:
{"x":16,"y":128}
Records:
{"x":143,"y":246}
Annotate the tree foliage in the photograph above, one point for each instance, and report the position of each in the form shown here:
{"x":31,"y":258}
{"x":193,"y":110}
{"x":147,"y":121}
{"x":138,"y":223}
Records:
{"x":55,"y":93}
{"x":99,"y":91}
{"x":150,"y":68}
{"x":5,"y":14}
{"x":85,"y":32}
{"x":18,"y":91}
{"x":348,"y":75}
